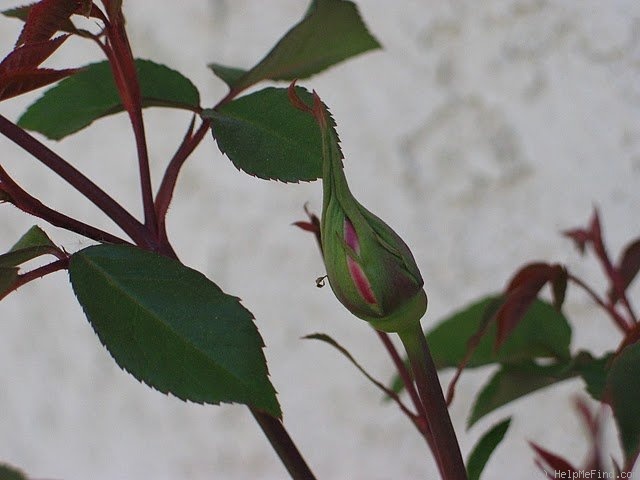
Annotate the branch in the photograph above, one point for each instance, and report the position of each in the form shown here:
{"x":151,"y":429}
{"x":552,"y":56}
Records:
{"x":620,"y":321}
{"x":80,"y":182}
{"x":418,"y":420}
{"x":168,"y":185}
{"x":29,"y":204}
{"x":126,"y":78}
{"x":283,"y":445}
{"x":35,"y":274}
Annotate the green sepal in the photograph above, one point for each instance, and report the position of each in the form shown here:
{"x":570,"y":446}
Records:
{"x":370,"y":268}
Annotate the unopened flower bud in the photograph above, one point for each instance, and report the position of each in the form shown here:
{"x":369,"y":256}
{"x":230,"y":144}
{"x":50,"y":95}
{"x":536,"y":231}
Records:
{"x":369,"y":267}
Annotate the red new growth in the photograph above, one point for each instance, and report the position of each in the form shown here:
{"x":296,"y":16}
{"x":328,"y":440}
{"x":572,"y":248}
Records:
{"x":19,"y":72}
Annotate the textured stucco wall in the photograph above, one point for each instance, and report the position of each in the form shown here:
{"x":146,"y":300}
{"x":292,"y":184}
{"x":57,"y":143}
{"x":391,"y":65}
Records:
{"x":479,"y":132}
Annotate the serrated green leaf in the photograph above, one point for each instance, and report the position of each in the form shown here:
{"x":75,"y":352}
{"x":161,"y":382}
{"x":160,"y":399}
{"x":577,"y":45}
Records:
{"x":91,"y":94}
{"x":331,"y":32}
{"x":544,"y":332}
{"x":7,"y":472}
{"x":483,"y":450}
{"x":171,"y":327}
{"x":34,"y":237}
{"x":31,"y":245}
{"x":228,"y":75}
{"x":265,"y":136}
{"x":623,"y":391}
{"x":515,"y":381}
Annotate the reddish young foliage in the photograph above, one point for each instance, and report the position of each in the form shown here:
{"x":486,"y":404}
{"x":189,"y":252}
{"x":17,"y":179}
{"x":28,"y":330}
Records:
{"x":621,"y":275}
{"x":19,"y":72}
{"x":17,"y":83}
{"x":31,"y":55}
{"x":585,"y":237}
{"x":307,"y":226}
{"x":523,"y":289}
{"x":580,"y":237}
{"x":627,"y":268}
{"x":593,"y":462}
{"x":49,"y":16}
{"x":313,"y":225}
{"x":555,"y":462}
{"x":594,"y":426}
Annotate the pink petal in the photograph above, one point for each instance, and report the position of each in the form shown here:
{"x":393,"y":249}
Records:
{"x":361,"y":281}
{"x":350,"y":236}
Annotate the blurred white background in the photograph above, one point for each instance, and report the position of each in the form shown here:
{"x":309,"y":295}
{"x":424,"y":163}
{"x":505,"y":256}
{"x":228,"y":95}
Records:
{"x":480,"y":132}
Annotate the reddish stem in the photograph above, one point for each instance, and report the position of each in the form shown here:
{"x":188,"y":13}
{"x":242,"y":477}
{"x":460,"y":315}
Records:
{"x":35,"y":274}
{"x":123,"y":66}
{"x":600,"y":249}
{"x":76,"y":179}
{"x":29,"y":204}
{"x":283,"y":445}
{"x":170,"y":178}
{"x":407,"y":380}
{"x":447,"y":450}
{"x":168,"y":185}
{"x":618,"y":319}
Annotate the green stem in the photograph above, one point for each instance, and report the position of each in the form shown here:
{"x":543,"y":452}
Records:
{"x":426,"y":378}
{"x":284,"y":446}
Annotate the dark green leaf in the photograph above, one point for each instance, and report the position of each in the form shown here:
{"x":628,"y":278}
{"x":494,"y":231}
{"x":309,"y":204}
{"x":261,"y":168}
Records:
{"x":77,"y":101}
{"x":35,"y":237}
{"x":514,"y":381}
{"x":265,"y":136}
{"x":593,"y":372}
{"x":484,"y":448}
{"x":8,"y":472}
{"x":543,"y":333}
{"x":171,"y":327}
{"x":228,"y":75}
{"x":331,"y":32}
{"x":8,"y":276}
{"x":623,"y":390}
{"x":31,"y":245}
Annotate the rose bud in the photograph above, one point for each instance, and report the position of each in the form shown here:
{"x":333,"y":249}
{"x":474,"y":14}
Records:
{"x":369,"y":267}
